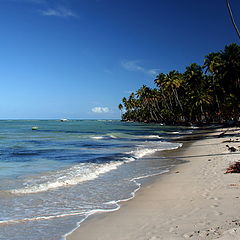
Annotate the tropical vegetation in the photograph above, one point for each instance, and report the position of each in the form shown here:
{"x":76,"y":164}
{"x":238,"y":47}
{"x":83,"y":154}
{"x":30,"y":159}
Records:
{"x":202,"y":94}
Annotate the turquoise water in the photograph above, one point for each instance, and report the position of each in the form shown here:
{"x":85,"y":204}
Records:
{"x":53,"y":177}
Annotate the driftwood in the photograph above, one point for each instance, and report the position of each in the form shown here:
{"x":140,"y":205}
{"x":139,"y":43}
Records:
{"x":234,"y":168}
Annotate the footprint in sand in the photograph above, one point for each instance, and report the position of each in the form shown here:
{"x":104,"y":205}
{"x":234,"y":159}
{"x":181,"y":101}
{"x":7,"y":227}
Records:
{"x":218,"y":213}
{"x":154,"y":238}
{"x":188,"y":235}
{"x":214,"y":198}
{"x":172,"y":229}
{"x":205,"y":195}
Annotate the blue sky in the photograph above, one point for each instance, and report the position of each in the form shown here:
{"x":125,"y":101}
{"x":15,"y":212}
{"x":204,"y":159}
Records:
{"x":79,"y":58}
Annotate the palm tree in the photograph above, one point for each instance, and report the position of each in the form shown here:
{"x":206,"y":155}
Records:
{"x":195,"y":95}
{"x":231,"y":70}
{"x":200,"y":101}
{"x":120,"y":107}
{"x":214,"y":66}
{"x":175,"y":81}
{"x":213,"y":63}
{"x":161,"y":82}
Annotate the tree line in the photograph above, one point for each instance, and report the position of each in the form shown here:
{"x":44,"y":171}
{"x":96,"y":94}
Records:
{"x":202,"y":94}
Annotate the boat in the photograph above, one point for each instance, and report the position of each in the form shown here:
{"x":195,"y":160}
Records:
{"x":34,"y":128}
{"x":63,"y":120}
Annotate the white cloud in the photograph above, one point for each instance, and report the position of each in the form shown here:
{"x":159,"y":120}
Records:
{"x":28,"y":1}
{"x":153,"y":72}
{"x":135,"y":67}
{"x":51,"y":8}
{"x":59,"y":12}
{"x":36,"y":1}
{"x":100,"y":110}
{"x":132,"y":66}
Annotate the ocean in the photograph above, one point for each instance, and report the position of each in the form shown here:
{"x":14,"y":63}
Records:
{"x":54,"y":177}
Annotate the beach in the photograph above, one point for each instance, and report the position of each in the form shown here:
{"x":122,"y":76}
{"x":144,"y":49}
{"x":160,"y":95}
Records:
{"x":195,"y":200}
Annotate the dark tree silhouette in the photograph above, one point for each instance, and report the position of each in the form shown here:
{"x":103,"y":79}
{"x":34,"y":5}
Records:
{"x":200,"y":94}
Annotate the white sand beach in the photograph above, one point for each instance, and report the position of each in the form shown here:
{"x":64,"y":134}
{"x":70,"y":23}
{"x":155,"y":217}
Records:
{"x":196,"y":200}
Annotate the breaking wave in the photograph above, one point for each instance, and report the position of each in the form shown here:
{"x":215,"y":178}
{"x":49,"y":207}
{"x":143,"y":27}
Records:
{"x":67,"y":177}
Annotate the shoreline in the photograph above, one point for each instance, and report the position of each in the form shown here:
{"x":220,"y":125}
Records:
{"x":99,"y":213}
{"x":94,"y":214}
{"x":192,"y":201}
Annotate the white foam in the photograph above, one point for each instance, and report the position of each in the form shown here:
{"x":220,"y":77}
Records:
{"x":194,"y":127}
{"x":88,"y":171}
{"x":68,"y":177}
{"x":104,"y":137}
{"x":117,"y":202}
{"x":152,"y":137}
{"x":98,"y":137}
{"x":186,"y":132}
{"x":144,"y":150}
{"x":136,"y":136}
{"x":112,"y":136}
{"x":41,"y":218}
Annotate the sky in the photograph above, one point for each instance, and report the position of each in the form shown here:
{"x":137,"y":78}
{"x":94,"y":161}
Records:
{"x":77,"y":59}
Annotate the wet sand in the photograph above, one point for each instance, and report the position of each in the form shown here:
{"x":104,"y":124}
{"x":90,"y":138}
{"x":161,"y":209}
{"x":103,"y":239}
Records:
{"x":196,"y":200}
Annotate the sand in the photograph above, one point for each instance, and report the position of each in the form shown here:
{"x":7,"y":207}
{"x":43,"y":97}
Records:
{"x":196,"y":200}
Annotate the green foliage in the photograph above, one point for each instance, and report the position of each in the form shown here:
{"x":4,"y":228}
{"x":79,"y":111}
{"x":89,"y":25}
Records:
{"x":202,"y":94}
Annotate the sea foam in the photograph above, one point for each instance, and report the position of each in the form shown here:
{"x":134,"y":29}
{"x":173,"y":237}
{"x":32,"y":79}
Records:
{"x":67,"y":177}
{"x":86,"y":171}
{"x":143,"y":150}
{"x":105,"y":137}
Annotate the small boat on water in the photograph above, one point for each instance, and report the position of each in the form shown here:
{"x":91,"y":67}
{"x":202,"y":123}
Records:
{"x":63,"y":120}
{"x":34,"y":128}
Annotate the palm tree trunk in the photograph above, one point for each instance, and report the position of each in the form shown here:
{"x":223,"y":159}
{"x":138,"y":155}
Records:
{"x":232,"y":18}
{"x":165,"y":101}
{"x":158,"y":111}
{"x":177,"y":98}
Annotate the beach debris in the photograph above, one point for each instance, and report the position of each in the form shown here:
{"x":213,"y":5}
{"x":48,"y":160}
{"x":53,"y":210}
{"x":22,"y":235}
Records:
{"x":234,"y":168}
{"x":227,"y":141}
{"x":234,"y":185}
{"x":231,"y":149}
{"x":209,"y":160}
{"x":177,"y":172}
{"x":34,"y":128}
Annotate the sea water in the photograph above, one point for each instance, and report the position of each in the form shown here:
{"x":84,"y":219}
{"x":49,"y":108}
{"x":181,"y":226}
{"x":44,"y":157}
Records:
{"x":52,"y":178}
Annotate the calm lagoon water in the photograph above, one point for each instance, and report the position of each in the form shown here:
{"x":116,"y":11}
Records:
{"x":54,"y":177}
